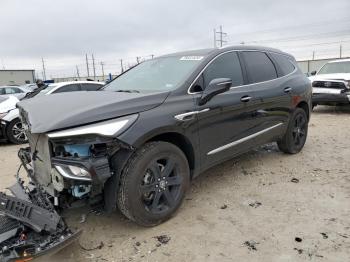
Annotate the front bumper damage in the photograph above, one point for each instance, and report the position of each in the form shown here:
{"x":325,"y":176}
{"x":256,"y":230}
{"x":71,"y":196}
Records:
{"x":30,"y":226}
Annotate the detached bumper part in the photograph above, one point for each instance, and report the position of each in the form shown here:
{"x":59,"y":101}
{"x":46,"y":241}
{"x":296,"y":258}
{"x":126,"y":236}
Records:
{"x":28,"y":230}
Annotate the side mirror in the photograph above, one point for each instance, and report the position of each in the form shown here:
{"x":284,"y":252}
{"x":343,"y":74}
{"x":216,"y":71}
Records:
{"x":215,"y":87}
{"x":313,"y":73}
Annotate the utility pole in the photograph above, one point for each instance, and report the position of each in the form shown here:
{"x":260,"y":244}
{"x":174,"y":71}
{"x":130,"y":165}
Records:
{"x":138,"y":59}
{"x":103,"y":71}
{"x":121,"y":65}
{"x":78,"y":72}
{"x":44,"y":71}
{"x":340,"y":51}
{"x":152,"y":56}
{"x":313,"y":55}
{"x":215,"y":38}
{"x":221,"y":37}
{"x":93,"y":65}
{"x":87,"y":65}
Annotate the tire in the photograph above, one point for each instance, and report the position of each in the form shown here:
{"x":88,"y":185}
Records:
{"x":294,"y":139}
{"x":15,"y":132}
{"x":153,"y":183}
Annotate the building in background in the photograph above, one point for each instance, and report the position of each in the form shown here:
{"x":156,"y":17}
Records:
{"x":17,"y":77}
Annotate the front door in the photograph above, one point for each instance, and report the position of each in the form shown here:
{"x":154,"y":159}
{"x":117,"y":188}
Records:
{"x":225,"y":122}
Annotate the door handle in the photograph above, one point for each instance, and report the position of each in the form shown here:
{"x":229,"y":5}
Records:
{"x":287,"y":89}
{"x":245,"y":98}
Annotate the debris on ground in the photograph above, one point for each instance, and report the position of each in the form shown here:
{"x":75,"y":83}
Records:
{"x":223,"y":207}
{"x":298,"y":239}
{"x":100,"y":246}
{"x":83,"y":219}
{"x":137,"y":244}
{"x":255,"y":204}
{"x":325,"y":236}
{"x":300,"y":251}
{"x":163,"y":239}
{"x":294,"y":180}
{"x":251,"y":244}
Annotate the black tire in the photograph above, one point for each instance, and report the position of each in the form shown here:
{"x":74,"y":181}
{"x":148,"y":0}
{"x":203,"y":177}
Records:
{"x":153,"y":183}
{"x":295,"y":137}
{"x":15,"y":132}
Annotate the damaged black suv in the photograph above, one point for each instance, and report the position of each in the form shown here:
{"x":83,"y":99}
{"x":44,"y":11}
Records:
{"x":139,"y":142}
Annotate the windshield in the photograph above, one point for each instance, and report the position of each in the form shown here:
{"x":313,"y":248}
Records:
{"x":160,"y":74}
{"x":335,"y":67}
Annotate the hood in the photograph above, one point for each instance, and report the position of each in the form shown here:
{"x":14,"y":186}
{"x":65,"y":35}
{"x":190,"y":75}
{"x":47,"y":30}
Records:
{"x":8,"y":104}
{"x":338,"y":76}
{"x":59,"y":111}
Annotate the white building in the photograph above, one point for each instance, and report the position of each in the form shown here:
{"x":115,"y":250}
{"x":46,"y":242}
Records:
{"x":16,"y":77}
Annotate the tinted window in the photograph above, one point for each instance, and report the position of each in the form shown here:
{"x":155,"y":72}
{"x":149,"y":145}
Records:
{"x":11,"y":90}
{"x":90,"y":87}
{"x":225,"y":66}
{"x":2,"y":91}
{"x":259,"y":66}
{"x":68,"y":88}
{"x":285,"y":65}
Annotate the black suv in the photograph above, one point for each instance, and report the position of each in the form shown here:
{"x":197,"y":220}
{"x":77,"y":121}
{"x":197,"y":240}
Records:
{"x":139,"y":142}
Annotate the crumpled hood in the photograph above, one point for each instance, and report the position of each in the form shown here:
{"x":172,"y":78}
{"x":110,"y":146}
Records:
{"x":59,"y":111}
{"x":338,"y":76}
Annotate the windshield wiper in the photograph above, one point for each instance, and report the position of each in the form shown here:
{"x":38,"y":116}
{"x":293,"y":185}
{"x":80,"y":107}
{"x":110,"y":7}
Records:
{"x":127,"y":91}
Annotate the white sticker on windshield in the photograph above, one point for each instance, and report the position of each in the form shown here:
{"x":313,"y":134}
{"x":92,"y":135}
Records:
{"x":191,"y":58}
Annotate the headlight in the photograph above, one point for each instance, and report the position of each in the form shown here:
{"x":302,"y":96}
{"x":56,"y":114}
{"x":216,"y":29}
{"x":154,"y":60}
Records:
{"x":110,"y":128}
{"x":73,"y":172}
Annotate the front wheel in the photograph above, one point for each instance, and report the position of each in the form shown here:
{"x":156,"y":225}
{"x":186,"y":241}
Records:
{"x":295,"y":137}
{"x":153,"y":183}
{"x":16,"y":133}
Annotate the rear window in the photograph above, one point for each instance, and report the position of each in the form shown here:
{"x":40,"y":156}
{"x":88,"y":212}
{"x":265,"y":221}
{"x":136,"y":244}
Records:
{"x":285,"y":65}
{"x":90,"y":87}
{"x":259,"y":66}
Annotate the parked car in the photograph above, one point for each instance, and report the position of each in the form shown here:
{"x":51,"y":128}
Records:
{"x":331,"y":84}
{"x":10,"y":120}
{"x":138,"y":143}
{"x":17,"y":91}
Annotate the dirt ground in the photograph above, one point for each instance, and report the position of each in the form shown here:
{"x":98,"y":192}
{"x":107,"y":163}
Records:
{"x":246,"y":209}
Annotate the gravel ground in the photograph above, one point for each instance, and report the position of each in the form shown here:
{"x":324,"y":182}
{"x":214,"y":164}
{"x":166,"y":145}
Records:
{"x":262,"y":206}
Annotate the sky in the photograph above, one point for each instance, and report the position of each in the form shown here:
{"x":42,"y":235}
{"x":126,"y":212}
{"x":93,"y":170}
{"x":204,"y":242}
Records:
{"x":63,"y":32}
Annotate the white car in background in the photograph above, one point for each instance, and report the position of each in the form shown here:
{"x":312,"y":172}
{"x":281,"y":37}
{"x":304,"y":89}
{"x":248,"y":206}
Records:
{"x":17,"y":91}
{"x":331,"y":84}
{"x":11,"y":128}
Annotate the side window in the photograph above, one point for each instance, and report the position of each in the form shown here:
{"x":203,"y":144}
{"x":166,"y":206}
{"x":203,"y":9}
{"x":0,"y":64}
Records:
{"x":68,"y":88}
{"x":2,"y":91}
{"x":90,"y":87}
{"x":285,"y":65}
{"x":225,"y":66}
{"x":10,"y":90}
{"x":259,"y":66}
{"x":16,"y":90}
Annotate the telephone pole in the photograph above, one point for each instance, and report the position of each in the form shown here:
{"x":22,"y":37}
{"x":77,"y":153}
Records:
{"x":78,"y":72}
{"x":93,"y":65}
{"x":121,"y":65}
{"x":44,"y":71}
{"x":138,"y":59}
{"x":103,"y":71}
{"x":221,"y":35}
{"x":87,"y":65}
{"x":340,"y":51}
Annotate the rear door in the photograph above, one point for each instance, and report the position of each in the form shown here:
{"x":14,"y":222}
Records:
{"x":225,"y":121}
{"x":272,"y":95}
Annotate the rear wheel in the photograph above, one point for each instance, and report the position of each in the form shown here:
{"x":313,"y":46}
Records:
{"x":16,"y":133}
{"x":295,"y":137}
{"x":153,"y":183}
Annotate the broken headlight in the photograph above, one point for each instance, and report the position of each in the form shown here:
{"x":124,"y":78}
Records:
{"x":73,"y":172}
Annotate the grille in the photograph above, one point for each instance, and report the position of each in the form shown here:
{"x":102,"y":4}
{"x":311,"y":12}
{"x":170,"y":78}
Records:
{"x":329,"y":84}
{"x":7,"y":224}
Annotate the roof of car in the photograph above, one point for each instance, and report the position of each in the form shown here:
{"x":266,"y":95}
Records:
{"x":76,"y":82}
{"x":210,"y":51}
{"x":340,"y":60}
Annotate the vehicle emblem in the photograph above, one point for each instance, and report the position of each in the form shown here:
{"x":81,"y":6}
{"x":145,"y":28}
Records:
{"x":328,"y":84}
